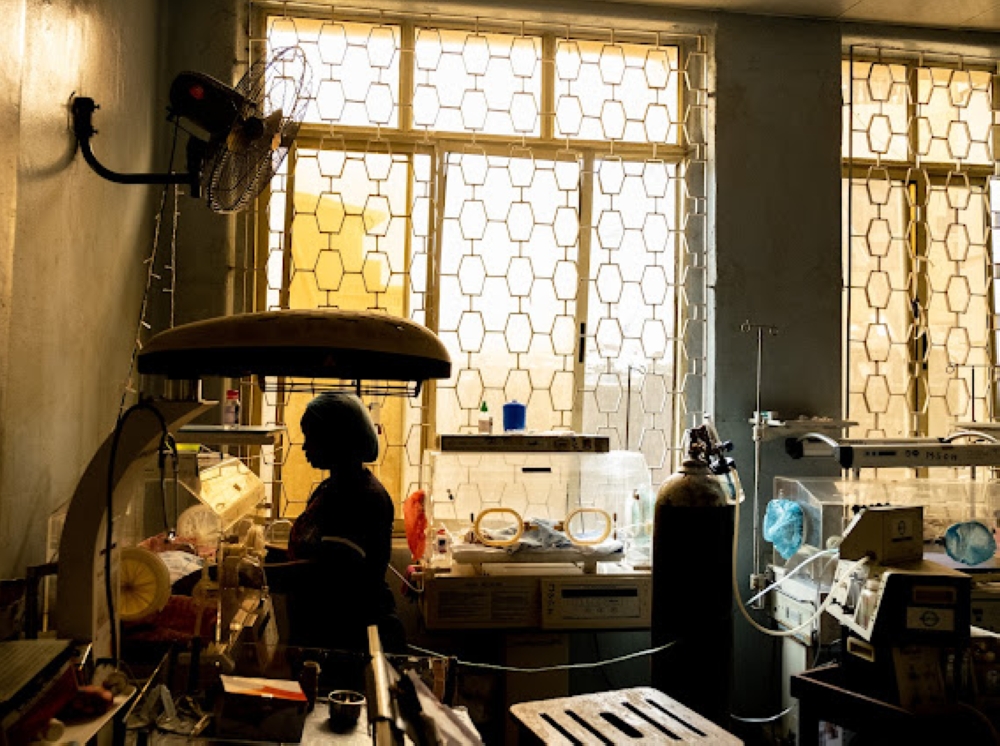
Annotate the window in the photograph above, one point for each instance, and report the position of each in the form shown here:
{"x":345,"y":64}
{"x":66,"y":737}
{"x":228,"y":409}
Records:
{"x":534,"y":195}
{"x":919,"y":178}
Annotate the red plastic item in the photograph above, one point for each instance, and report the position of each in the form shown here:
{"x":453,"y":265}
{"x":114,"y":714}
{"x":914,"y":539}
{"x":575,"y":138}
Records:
{"x":415,"y":520}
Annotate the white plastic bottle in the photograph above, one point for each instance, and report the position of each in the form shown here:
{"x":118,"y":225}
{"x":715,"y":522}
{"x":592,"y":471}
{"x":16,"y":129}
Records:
{"x":442,"y":548}
{"x":231,"y":409}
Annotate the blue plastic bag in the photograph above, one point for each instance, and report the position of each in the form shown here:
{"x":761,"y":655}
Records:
{"x":969,"y":543}
{"x":783,"y":526}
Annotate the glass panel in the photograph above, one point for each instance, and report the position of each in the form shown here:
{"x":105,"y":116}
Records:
{"x":467,"y":81}
{"x":955,"y":113}
{"x":616,"y":91}
{"x":633,"y":333}
{"x":508,"y":289}
{"x":875,"y":110}
{"x":355,"y":68}
{"x":879,"y":314}
{"x":958,"y":314}
{"x":352,"y":247}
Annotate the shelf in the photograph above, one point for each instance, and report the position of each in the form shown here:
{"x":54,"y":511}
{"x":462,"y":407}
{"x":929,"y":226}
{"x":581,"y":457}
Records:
{"x":523,"y":443}
{"x":219,"y":435}
{"x":794,"y":428}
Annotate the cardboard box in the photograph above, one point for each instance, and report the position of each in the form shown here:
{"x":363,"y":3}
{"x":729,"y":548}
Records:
{"x":261,"y":709}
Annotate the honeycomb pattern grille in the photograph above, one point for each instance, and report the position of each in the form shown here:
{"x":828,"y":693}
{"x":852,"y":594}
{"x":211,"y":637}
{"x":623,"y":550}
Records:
{"x":920,"y":195}
{"x":535,"y":195}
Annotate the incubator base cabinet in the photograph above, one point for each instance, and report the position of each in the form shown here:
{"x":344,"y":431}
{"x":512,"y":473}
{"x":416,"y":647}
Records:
{"x":548,"y":598}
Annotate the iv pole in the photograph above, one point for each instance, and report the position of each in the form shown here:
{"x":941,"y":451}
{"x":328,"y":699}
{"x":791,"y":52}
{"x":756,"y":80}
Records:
{"x":758,"y":436}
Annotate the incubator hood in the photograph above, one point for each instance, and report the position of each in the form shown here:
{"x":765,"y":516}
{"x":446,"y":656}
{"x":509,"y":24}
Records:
{"x":328,"y":343}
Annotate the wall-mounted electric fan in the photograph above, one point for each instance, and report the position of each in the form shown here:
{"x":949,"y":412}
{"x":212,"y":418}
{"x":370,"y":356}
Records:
{"x":248,"y":129}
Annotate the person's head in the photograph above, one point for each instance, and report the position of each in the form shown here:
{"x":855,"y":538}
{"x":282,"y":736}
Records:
{"x":338,"y":430}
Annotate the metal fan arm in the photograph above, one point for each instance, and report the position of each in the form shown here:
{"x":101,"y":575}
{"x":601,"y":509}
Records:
{"x":83,"y":110}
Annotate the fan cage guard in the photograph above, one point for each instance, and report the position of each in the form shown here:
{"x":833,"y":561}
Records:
{"x":233,"y":178}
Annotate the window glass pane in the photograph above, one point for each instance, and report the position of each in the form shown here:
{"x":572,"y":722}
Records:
{"x":617,"y":91}
{"x":352,"y":247}
{"x":875,"y":111}
{"x":508,"y":290}
{"x":631,"y":350}
{"x":958,"y":308}
{"x":349,"y":231}
{"x":879,"y":315}
{"x":355,"y":68}
{"x":467,"y":81}
{"x":954,"y":115}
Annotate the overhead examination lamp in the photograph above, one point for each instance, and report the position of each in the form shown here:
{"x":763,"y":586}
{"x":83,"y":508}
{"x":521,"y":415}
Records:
{"x":368,"y":351}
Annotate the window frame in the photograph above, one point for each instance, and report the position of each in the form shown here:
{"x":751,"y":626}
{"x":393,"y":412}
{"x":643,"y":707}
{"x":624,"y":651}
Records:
{"x":409,"y":141}
{"x":917,"y":177}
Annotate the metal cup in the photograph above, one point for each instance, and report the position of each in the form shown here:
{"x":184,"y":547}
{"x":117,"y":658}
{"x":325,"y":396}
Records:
{"x":345,"y":709}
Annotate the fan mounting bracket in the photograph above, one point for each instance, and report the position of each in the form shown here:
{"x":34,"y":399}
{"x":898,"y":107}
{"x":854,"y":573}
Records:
{"x":83,"y":128}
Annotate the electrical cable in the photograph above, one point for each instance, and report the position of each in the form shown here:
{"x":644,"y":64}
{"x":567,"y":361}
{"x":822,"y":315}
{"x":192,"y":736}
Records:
{"x":739,"y":598}
{"x":177,"y":475}
{"x":163,"y":499}
{"x":983,"y":719}
{"x":819,"y":601}
{"x":150,"y":276}
{"x":969,"y":434}
{"x":769,"y":719}
{"x":109,"y":509}
{"x":544,"y":669}
{"x":171,"y":447}
{"x":406,"y":582}
{"x":791,"y":573}
{"x":823,"y":438}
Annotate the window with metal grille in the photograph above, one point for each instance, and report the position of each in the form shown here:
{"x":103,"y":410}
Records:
{"x":919,"y":177}
{"x":536,"y":195}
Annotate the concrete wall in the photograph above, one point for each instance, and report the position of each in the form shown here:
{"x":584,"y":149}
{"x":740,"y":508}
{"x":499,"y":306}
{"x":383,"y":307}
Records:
{"x":208,"y":37}
{"x":778,"y":264}
{"x":71,"y":245}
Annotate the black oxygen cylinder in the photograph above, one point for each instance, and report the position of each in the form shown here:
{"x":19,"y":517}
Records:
{"x":692,"y":596}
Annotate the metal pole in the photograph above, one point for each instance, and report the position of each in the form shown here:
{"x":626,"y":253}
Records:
{"x":757,"y":438}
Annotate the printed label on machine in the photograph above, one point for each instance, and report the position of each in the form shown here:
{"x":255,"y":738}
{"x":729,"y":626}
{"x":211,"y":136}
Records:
{"x":494,"y":606}
{"x":900,"y":530}
{"x":930,"y":618}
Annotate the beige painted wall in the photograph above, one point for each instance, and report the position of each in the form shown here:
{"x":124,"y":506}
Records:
{"x":11,"y":59}
{"x":71,"y":244}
